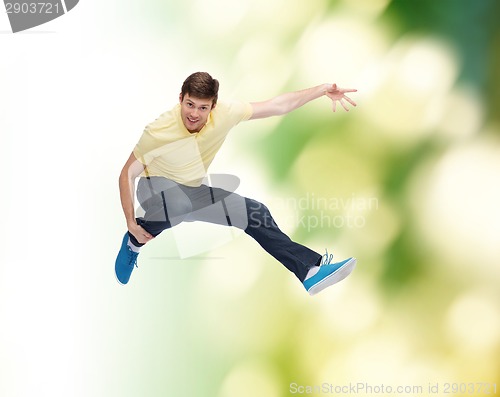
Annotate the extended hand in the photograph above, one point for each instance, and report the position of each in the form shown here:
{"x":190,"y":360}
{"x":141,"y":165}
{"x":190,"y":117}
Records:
{"x":338,"y":94}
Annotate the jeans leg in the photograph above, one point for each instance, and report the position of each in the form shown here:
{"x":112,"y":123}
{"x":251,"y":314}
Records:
{"x":167,"y":204}
{"x":164,"y":203}
{"x":255,"y":219}
{"x":219,"y":206}
{"x":262,"y":227}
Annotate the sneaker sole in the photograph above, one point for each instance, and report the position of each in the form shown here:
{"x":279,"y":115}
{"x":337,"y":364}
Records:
{"x":119,"y":282}
{"x":333,"y":278}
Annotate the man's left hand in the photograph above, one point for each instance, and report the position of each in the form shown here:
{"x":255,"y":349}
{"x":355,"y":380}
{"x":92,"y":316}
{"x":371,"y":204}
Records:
{"x":339,"y":94}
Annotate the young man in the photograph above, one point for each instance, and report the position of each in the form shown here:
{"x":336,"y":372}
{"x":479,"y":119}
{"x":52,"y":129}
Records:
{"x":172,"y":158}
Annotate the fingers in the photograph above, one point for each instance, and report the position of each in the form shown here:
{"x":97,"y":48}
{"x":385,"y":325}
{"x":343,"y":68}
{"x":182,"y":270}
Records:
{"x":344,"y":105}
{"x":141,"y":234}
{"x":342,"y":102}
{"x":143,"y":239}
{"x":145,"y":235}
{"x":338,"y":94}
{"x":350,"y":100}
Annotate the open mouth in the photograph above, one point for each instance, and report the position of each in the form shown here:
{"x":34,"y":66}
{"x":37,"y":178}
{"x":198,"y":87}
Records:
{"x":193,"y":121}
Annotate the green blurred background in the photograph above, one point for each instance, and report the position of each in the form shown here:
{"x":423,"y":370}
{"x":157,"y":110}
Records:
{"x":408,"y":182}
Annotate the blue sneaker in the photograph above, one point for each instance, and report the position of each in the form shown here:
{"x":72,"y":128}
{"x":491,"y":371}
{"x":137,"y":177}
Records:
{"x":329,"y":274}
{"x":125,"y":262}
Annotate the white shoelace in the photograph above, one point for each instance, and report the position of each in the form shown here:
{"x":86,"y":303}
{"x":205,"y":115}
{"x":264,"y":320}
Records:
{"x":326,"y":258}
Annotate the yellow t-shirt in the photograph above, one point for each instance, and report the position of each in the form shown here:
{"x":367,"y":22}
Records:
{"x":168,"y":149}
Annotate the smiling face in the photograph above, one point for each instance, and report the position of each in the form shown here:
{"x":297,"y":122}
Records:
{"x":195,"y":112}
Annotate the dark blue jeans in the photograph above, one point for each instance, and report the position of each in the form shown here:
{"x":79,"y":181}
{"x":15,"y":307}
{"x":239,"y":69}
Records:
{"x":167,"y":204}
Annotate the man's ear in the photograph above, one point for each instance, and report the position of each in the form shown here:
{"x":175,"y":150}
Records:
{"x":180,"y":97}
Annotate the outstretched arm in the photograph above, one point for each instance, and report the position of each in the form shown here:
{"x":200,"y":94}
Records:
{"x":285,"y":103}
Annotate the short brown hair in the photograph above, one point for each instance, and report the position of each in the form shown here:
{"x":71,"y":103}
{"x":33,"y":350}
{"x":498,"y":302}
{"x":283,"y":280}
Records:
{"x":201,"y":85}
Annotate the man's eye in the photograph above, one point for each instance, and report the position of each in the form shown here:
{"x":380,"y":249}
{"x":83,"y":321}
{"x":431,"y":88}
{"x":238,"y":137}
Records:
{"x":203,"y":108}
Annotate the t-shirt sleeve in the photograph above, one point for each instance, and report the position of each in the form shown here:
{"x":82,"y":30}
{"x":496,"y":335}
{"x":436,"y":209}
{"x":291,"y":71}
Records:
{"x":247,"y":111}
{"x":242,"y":110}
{"x":147,"y":147}
{"x":144,"y":149}
{"x":236,"y":111}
